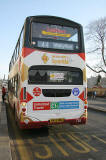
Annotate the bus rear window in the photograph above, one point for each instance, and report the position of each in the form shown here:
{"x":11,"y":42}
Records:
{"x":55,"y":75}
{"x":54,"y":36}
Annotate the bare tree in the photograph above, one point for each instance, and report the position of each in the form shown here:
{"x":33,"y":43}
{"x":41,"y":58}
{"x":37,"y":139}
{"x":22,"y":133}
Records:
{"x":96,"y":36}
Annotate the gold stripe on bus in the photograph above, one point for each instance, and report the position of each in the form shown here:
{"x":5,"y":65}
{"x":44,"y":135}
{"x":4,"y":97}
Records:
{"x":23,"y":118}
{"x":56,"y":34}
{"x":84,"y":75}
{"x":24,"y":72}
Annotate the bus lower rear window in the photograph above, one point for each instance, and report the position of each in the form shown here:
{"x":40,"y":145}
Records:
{"x":57,"y":75}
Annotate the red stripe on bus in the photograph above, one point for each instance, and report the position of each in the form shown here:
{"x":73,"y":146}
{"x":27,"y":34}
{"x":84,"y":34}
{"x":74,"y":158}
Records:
{"x":21,"y":94}
{"x":81,"y":96}
{"x":27,"y":51}
{"x":29,"y":96}
{"x":40,"y":124}
{"x":82,"y":55}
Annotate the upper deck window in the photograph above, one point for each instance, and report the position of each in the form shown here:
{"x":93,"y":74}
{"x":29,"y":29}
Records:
{"x":54,"y":36}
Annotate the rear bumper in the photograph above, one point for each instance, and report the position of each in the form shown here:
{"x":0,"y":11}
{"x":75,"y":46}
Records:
{"x":30,"y":125}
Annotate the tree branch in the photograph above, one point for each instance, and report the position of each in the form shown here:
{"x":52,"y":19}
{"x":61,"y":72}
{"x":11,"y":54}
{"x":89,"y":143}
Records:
{"x":100,"y":71}
{"x":94,"y":50}
{"x":102,"y":51}
{"x":97,"y":34}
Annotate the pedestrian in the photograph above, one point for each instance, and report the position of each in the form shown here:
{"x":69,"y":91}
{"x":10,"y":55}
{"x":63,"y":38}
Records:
{"x":94,"y":94}
{"x":3,"y":93}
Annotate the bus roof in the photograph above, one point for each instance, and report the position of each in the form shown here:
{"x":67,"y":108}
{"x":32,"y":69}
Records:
{"x":55,"y":20}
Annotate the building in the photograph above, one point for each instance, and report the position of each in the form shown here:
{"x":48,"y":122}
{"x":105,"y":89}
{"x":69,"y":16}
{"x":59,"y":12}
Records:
{"x":92,"y":81}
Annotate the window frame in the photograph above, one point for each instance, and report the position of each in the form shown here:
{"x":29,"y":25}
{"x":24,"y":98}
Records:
{"x":80,"y":39}
{"x":56,"y":68}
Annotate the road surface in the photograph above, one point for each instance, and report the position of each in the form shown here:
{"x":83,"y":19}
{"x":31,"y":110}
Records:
{"x":61,"y":142}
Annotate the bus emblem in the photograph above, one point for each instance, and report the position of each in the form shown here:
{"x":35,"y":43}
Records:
{"x":45,"y":58}
{"x":37,"y":91}
{"x":75,"y":91}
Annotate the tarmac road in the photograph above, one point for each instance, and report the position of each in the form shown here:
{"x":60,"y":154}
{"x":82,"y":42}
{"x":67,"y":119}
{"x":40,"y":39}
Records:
{"x":61,"y":142}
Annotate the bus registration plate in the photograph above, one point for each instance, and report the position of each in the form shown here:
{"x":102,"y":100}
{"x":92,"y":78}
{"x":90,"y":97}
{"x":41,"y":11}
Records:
{"x":60,"y":120}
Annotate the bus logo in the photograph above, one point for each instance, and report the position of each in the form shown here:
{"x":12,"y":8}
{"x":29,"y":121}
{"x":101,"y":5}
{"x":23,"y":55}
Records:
{"x":60,"y":59}
{"x":75,"y":91}
{"x":45,"y":58}
{"x":37,"y":91}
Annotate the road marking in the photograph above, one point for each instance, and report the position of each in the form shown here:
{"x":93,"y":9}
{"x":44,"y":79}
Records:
{"x":86,"y":144}
{"x":101,"y":140}
{"x":85,"y":149}
{"x":46,"y":148}
{"x":58,"y":147}
{"x":76,"y":126}
{"x":87,"y":137}
{"x":22,"y":150}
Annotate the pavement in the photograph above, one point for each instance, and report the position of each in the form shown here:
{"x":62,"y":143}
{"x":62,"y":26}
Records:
{"x":99,"y":104}
{"x":5,"y":150}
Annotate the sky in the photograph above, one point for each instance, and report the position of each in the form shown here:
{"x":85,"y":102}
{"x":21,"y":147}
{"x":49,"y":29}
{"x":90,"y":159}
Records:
{"x":14,"y":12}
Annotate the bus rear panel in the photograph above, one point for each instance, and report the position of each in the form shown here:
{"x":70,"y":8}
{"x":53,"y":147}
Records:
{"x":52,"y":74}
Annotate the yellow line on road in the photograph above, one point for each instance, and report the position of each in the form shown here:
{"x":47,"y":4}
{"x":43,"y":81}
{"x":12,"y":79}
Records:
{"x":85,"y":149}
{"x":83,"y":142}
{"x":101,"y":140}
{"x":45,"y":147}
{"x":23,"y":152}
{"x":59,"y":147}
{"x":87,"y":137}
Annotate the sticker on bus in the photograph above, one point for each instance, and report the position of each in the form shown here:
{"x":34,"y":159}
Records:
{"x":41,"y":105}
{"x":69,"y":105}
{"x":37,"y":91}
{"x":55,"y":105}
{"x":75,"y":91}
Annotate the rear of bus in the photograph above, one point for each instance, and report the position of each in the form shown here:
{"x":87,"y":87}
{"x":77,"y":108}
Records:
{"x":53,"y":78}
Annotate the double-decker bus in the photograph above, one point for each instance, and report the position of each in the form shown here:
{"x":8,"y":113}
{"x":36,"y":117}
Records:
{"x":47,"y":73}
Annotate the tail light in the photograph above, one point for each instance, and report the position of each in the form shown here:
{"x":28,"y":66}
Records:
{"x":86,"y":104}
{"x":23,"y":104}
{"x":23,"y":109}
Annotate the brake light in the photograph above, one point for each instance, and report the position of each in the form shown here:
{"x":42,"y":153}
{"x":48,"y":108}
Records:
{"x":23,"y":109}
{"x":86,"y":104}
{"x":85,"y":107}
{"x":23,"y":104}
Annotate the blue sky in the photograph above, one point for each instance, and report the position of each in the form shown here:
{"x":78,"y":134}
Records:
{"x":14,"y":12}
